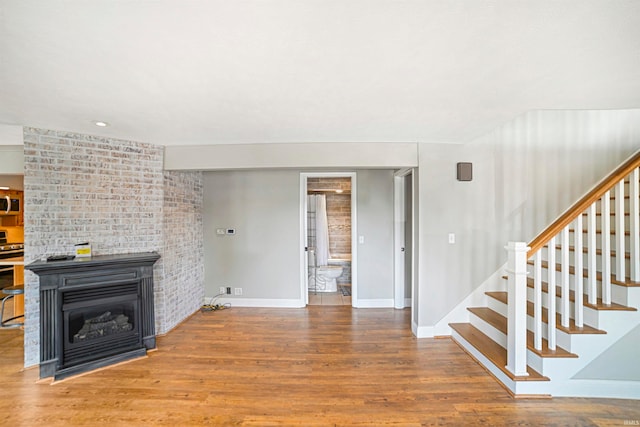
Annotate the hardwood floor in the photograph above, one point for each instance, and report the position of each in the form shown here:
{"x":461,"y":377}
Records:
{"x":319,"y":366}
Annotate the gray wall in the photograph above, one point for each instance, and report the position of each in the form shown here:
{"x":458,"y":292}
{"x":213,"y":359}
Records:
{"x":375,"y":223}
{"x":619,"y":362}
{"x":525,"y":174}
{"x":263,"y":257}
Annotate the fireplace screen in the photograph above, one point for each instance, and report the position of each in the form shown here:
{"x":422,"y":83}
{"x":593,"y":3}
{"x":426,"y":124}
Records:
{"x":99,"y":322}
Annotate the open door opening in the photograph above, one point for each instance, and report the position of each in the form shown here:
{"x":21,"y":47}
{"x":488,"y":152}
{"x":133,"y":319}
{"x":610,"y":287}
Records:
{"x":403,"y":238}
{"x":328,"y":229}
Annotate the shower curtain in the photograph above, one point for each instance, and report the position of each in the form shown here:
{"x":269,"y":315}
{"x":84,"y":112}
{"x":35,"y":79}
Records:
{"x":318,"y":203}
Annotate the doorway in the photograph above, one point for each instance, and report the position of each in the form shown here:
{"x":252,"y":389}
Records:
{"x":404,"y":242}
{"x":328,"y":272}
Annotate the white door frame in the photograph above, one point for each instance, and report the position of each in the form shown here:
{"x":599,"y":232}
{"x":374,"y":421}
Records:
{"x":399,"y":218}
{"x":304,"y":279}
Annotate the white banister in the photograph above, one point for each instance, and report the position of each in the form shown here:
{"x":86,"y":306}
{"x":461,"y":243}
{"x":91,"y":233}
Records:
{"x":619,"y":218}
{"x":551,"y":295}
{"x":592,"y":247}
{"x":634,"y":224}
{"x":606,"y":248}
{"x":564,"y":268}
{"x":517,"y":308}
{"x":537,"y":300}
{"x":579,"y":273}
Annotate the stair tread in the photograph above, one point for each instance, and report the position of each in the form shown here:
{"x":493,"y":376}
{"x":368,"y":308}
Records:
{"x":585,"y":273}
{"x":493,"y":318}
{"x":599,"y":305}
{"x":626,"y":233}
{"x":572,"y":329}
{"x":499,"y":322}
{"x":600,"y":213}
{"x":492,"y":351}
{"x":585,"y":250}
{"x":498,"y":295}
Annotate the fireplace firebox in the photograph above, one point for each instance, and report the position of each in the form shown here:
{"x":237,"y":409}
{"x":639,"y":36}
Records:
{"x":94,"y":312}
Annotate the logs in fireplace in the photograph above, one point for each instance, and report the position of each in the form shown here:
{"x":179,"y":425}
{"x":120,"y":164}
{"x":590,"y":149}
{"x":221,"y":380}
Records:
{"x":94,"y":312}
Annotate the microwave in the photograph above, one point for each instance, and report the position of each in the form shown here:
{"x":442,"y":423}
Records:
{"x":9,"y":205}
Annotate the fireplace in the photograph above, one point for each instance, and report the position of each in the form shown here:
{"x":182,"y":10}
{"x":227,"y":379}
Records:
{"x":94,"y":312}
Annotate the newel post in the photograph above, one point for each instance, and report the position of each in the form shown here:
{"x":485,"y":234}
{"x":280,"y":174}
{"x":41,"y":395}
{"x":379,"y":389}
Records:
{"x":517,"y":308}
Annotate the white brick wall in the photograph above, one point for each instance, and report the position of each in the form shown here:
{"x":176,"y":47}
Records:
{"x":110,"y":193}
{"x":183,"y":254}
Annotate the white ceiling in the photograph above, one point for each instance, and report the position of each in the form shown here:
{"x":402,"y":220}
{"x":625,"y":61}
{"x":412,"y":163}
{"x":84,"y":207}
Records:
{"x":251,"y":71}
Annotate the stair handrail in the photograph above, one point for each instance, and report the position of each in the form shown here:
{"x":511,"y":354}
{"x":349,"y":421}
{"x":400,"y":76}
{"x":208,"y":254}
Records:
{"x":581,"y":205}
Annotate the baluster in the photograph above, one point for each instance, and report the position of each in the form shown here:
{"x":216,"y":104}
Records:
{"x":620,"y":246}
{"x":634,"y":224}
{"x":606,"y":248}
{"x":592,"y":265}
{"x":578,"y":268}
{"x":564,"y":268}
{"x":537,"y":300}
{"x":551,"y":294}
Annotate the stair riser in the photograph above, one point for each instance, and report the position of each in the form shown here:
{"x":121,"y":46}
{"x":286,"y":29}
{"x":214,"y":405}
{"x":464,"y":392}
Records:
{"x":599,"y":226}
{"x":585,"y":260}
{"x":626,"y":296}
{"x":488,"y":330}
{"x":552,"y":367}
{"x":590,"y":316}
{"x":585,"y":284}
{"x":612,"y":240}
{"x":497,"y":306}
{"x":562,"y":338}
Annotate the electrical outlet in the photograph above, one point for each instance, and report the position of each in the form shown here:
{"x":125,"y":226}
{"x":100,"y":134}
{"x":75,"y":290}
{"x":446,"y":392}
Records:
{"x":223,"y":290}
{"x":228,"y":290}
{"x":237,"y":291}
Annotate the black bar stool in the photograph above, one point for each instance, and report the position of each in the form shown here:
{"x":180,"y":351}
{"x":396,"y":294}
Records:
{"x":11,"y":292}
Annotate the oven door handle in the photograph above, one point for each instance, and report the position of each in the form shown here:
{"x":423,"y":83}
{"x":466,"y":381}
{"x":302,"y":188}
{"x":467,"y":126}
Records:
{"x":8,"y":204}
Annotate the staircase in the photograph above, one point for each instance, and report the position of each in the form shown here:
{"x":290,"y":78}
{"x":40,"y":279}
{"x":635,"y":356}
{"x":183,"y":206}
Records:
{"x":568,"y":324}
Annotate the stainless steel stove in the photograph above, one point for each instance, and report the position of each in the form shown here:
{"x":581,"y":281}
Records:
{"x":8,"y":250}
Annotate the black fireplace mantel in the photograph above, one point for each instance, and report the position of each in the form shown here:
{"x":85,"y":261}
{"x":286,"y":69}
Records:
{"x":99,"y":275}
{"x":79,"y":264}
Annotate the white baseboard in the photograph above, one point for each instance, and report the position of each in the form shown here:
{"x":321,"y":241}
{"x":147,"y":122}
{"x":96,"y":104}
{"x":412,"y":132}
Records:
{"x":424,"y":331}
{"x":598,"y":388}
{"x":374,"y":303}
{"x":257,"y":302}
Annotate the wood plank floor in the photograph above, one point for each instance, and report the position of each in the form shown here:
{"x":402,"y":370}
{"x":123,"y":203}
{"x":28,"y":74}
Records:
{"x":318,"y":366}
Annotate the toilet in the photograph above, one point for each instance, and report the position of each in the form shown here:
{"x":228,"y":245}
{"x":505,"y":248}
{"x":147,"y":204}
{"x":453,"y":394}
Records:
{"x":323,"y":277}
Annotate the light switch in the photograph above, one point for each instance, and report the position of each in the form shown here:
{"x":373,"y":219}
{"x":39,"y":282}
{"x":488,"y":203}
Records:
{"x":361,"y":240}
{"x":220,"y":231}
{"x":452,"y":238}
